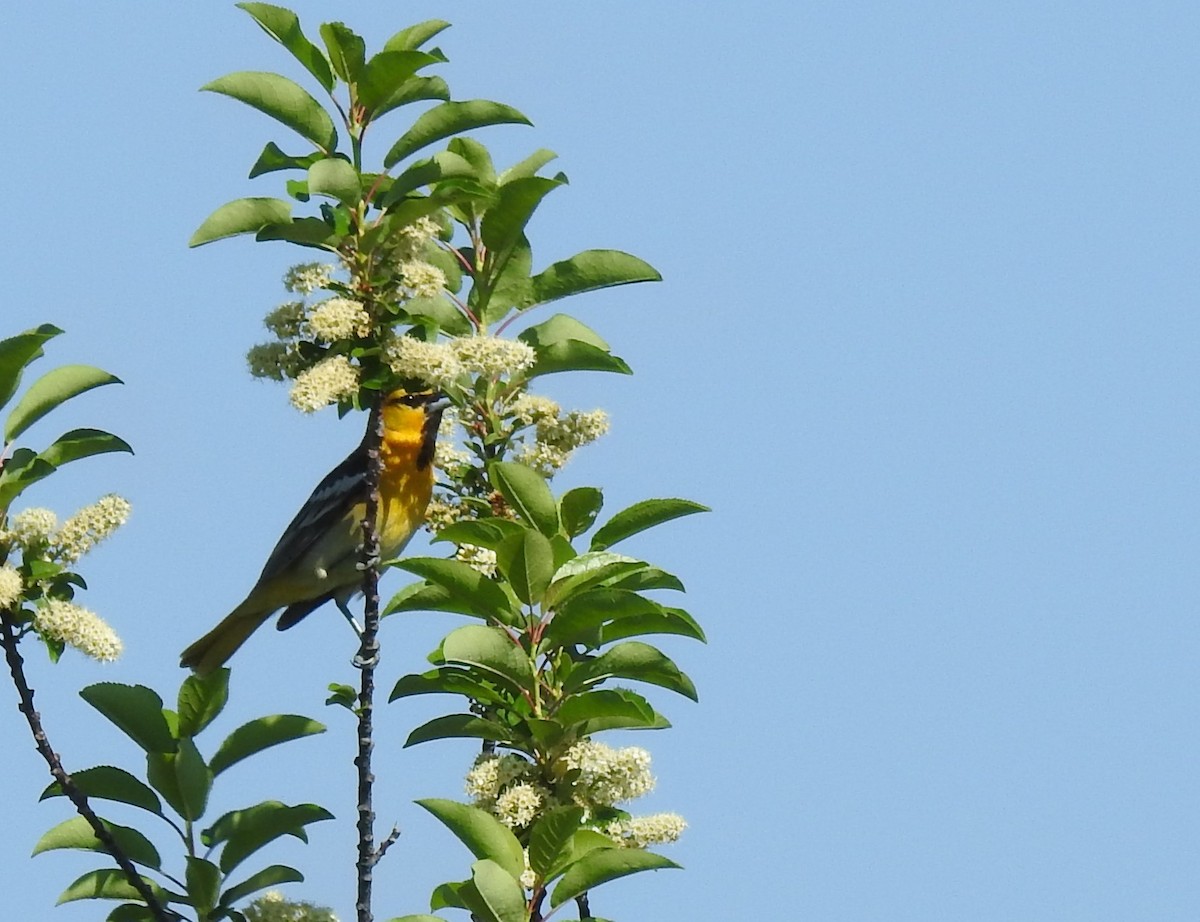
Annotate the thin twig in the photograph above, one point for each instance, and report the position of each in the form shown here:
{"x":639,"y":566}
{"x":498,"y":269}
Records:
{"x":585,"y":911}
{"x":387,"y":843}
{"x":368,"y":658}
{"x":16,"y":666}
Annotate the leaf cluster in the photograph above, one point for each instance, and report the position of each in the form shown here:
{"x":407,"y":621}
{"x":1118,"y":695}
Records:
{"x":176,"y":792}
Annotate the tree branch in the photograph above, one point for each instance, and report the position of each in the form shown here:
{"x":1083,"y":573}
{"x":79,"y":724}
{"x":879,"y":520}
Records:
{"x":16,"y":666}
{"x":367,"y":659}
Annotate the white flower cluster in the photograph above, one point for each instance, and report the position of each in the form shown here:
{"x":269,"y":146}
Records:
{"x":36,"y":530}
{"x":441,"y":364}
{"x":557,"y":436}
{"x":481,"y":559}
{"x":79,"y":628}
{"x":11,"y":586}
{"x":641,"y":831}
{"x":89,"y":526}
{"x":338,"y":318}
{"x":329,"y":381}
{"x":422,"y":279}
{"x":306,"y":278}
{"x":607,"y":776}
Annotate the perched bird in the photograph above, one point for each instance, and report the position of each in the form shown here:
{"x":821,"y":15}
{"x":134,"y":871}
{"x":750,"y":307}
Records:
{"x":318,"y":557}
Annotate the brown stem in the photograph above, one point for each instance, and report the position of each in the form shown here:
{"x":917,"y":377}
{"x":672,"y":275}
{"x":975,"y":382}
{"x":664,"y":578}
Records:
{"x":16,"y":666}
{"x":585,"y":911}
{"x":367,"y":659}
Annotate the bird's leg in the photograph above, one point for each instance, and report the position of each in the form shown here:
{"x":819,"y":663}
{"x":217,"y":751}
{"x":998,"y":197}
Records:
{"x":348,"y":615}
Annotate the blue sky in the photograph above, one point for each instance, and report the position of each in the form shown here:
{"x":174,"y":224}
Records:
{"x":927,"y":344}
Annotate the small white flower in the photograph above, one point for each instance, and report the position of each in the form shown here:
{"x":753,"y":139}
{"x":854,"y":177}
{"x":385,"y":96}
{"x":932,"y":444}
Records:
{"x":641,"y":831}
{"x":518,"y":805}
{"x":608,"y":776}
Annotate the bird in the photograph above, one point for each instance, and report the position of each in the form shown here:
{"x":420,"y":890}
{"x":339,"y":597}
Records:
{"x":317,"y":559}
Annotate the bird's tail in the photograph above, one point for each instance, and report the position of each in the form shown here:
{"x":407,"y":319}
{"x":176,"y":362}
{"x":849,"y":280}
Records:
{"x":212,"y":650}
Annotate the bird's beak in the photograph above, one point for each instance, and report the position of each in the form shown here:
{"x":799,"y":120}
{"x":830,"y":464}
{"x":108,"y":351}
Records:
{"x":437,"y":405}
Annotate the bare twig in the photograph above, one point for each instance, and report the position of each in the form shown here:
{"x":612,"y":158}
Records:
{"x":16,"y":666}
{"x":585,"y":911}
{"x":368,"y":658}
{"x":387,"y":843}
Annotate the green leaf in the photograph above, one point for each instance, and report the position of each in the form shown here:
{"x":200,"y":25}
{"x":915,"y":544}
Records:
{"x":182,"y":778}
{"x":203,"y":884}
{"x":273,"y":159}
{"x":481,"y":595}
{"x":573,"y":355}
{"x":136,"y":710}
{"x":52,"y":389}
{"x":259,"y":734}
{"x":492,"y":649}
{"x":77,"y":833}
{"x":582,"y":843}
{"x":16,"y":352}
{"x":602,"y":865}
{"x":441,"y":313}
{"x":663,"y":621}
{"x":268,"y":877}
{"x":246,"y":831}
{"x":419,"y":917}
{"x":23,"y":469}
{"x":106,"y":884}
{"x":580,"y":618}
{"x":478,"y":156}
{"x":588,"y":570}
{"x":459,"y":726}
{"x":336,"y":178}
{"x":284,"y":26}
{"x":528,"y":494}
{"x":578,"y":509}
{"x":416,"y":89}
{"x":526,"y":560}
{"x":347,"y":51}
{"x":106,"y":782}
{"x":646,"y":578}
{"x":282,"y":99}
{"x":479,"y":831}
{"x":426,"y":172}
{"x":307,"y":232}
{"x":496,"y":895}
{"x":632,"y":660}
{"x":607,"y":709}
{"x":385,"y":75}
{"x":515,"y":203}
{"x":489,"y":533}
{"x":447,"y":680}
{"x":529,"y":166}
{"x":447,"y":895}
{"x":201,"y":699}
{"x":590,"y":270}
{"x":639,"y":517}
{"x":241,"y":216}
{"x":131,"y":912}
{"x":415,"y":36}
{"x":561,"y":328}
{"x":451,"y":118}
{"x":428,"y":597}
{"x":550,"y":836}
{"x":82,"y":443}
